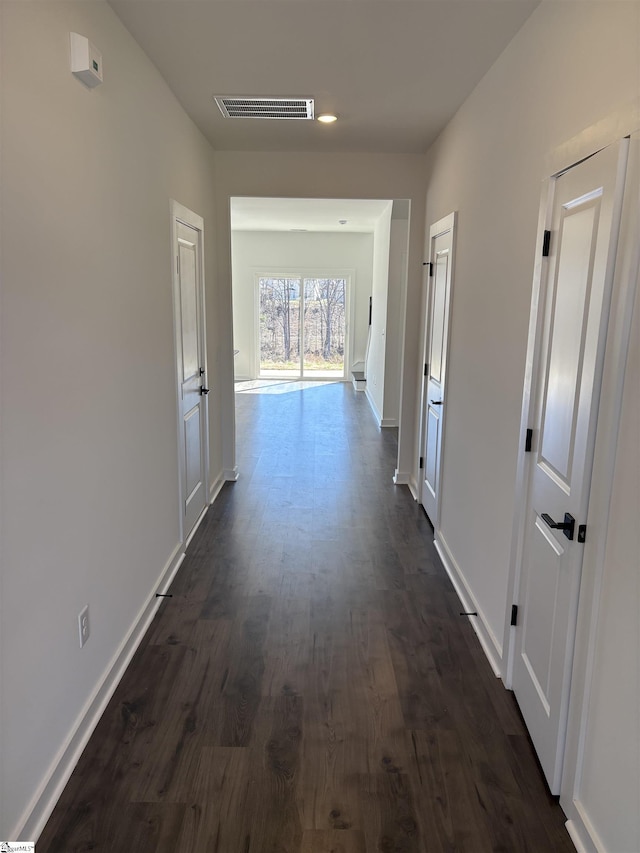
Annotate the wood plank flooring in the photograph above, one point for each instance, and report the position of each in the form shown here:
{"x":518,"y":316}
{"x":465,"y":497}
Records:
{"x":310,"y":687}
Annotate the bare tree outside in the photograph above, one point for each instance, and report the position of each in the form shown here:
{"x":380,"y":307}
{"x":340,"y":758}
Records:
{"x":302,"y":315}
{"x":279,"y":322}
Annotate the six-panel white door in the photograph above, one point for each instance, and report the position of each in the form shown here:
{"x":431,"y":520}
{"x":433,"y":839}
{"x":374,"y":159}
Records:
{"x":191,"y":365}
{"x":573,"y":325}
{"x":439,"y":295}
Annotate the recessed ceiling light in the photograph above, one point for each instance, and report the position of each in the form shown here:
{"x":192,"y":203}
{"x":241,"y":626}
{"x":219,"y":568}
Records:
{"x":342,"y":221}
{"x":327,"y":118}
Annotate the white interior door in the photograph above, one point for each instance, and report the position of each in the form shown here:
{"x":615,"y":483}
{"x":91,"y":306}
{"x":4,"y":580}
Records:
{"x":191,"y":367}
{"x":572,"y":322}
{"x":433,"y":394}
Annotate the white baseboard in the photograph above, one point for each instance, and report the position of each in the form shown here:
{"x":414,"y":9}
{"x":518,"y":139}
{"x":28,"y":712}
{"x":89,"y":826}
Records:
{"x":39,"y":810}
{"x":575,"y":837}
{"x":195,"y":527}
{"x":581,"y":830}
{"x":389,"y":422}
{"x":480,"y":624}
{"x":216,"y":487}
{"x":402,"y":478}
{"x":374,"y":408}
{"x":230,"y":475}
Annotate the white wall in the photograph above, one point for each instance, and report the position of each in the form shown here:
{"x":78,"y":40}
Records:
{"x":255,"y":252}
{"x":398,"y":246}
{"x":317,"y":175}
{"x":570,"y":66}
{"x":89,"y":448}
{"x":374,"y":367}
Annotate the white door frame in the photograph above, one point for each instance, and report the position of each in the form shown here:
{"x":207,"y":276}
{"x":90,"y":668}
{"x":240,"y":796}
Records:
{"x":180,"y":213}
{"x":625,"y":285}
{"x":447,"y":223}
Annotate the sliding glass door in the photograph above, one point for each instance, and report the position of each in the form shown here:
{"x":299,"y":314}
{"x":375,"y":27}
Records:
{"x":303,"y":326}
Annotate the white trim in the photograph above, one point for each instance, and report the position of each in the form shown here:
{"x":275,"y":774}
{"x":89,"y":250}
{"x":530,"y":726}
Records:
{"x":583,"y":833}
{"x":576,"y":838}
{"x":182,"y":214}
{"x":230,"y":475}
{"x":480,"y":623}
{"x":216,"y":487}
{"x":401,"y":478}
{"x":195,"y":527}
{"x":389,"y":422}
{"x":374,"y":408}
{"x":442,"y":226}
{"x":38,"y":811}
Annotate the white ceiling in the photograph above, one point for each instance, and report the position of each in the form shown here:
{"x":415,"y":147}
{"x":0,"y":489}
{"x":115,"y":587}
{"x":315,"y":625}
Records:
{"x":394,"y":71}
{"x":308,"y":214}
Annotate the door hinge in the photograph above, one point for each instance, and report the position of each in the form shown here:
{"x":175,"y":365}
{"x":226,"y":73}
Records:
{"x":546,"y":244}
{"x":426,"y":369}
{"x":582,"y":533}
{"x":422,"y":462}
{"x":430,"y":269}
{"x":528,"y":441}
{"x":178,"y":264}
{"x":514,"y":615}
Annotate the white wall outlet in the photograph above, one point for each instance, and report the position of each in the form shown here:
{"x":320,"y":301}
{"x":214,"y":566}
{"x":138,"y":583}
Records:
{"x":86,"y":61}
{"x":83,"y":625}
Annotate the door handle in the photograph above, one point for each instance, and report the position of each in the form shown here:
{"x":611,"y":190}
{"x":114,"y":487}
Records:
{"x":567,"y":526}
{"x":203,"y":390}
{"x":436,"y":402}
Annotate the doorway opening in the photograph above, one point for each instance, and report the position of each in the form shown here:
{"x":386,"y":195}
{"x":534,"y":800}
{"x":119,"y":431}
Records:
{"x":319,"y":294}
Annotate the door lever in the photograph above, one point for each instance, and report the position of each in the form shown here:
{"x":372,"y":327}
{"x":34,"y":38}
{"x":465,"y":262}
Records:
{"x":436,"y":402}
{"x":203,"y":390}
{"x":567,"y":526}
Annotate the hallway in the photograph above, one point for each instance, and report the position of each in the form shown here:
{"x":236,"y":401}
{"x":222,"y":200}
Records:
{"x":310,"y":686}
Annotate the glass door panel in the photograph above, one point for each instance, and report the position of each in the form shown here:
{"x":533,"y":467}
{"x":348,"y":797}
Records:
{"x":324,"y":327}
{"x":279,"y":300}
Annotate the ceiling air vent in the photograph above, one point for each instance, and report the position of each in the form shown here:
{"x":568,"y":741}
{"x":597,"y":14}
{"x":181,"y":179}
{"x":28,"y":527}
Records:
{"x":271,"y":108}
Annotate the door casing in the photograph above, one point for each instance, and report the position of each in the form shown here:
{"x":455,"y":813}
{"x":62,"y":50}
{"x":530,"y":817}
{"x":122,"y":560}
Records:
{"x":181,"y":214}
{"x":447,"y":223}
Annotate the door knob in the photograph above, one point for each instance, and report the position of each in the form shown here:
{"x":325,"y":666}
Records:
{"x":567,"y":526}
{"x":436,"y":402}
{"x":203,"y":390}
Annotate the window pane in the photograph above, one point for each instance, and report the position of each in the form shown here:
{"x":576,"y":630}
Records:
{"x":279,"y":326}
{"x":324,"y":326}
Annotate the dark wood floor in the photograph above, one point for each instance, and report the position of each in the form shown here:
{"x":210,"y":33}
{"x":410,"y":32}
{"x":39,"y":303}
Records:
{"x":311,"y":685}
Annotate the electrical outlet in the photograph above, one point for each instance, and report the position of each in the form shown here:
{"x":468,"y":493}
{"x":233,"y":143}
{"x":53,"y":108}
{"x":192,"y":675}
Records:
{"x":83,"y":625}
